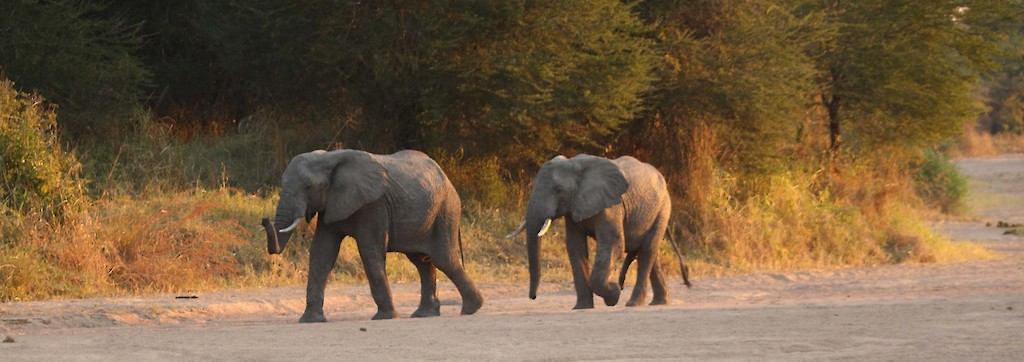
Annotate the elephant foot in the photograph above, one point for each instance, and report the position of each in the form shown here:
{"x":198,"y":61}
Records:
{"x":385,"y":315}
{"x":584,"y":300}
{"x":471,"y":306}
{"x":312,"y":317}
{"x":426,"y":312}
{"x":637,"y":299}
{"x":432,"y":310}
{"x":659,"y":301}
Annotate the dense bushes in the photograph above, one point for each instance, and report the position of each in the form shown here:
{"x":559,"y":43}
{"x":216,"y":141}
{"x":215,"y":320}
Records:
{"x":940,"y":184}
{"x":78,"y":54}
{"x":36,"y":174}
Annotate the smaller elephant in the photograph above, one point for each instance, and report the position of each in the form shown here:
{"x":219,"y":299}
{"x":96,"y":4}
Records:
{"x":623,"y":204}
{"x":400,"y":202}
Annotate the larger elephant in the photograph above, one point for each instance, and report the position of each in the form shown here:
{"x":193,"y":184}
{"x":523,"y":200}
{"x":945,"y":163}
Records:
{"x":401,"y":202}
{"x":623,"y":204}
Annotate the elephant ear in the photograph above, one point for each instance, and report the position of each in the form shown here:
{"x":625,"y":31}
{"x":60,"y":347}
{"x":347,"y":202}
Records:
{"x":356,"y":180}
{"x":601,"y":186}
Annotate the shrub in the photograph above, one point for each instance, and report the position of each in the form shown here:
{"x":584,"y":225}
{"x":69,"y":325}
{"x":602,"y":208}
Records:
{"x":940,"y":184}
{"x":36,"y":174}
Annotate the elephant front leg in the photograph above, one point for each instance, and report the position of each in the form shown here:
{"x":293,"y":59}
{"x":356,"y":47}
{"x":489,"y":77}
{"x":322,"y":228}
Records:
{"x":579,"y":261}
{"x":373,"y":253}
{"x":430,"y":306}
{"x":609,"y":246}
{"x":323,"y":253}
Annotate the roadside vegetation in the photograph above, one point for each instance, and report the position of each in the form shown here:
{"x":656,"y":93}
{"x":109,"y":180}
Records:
{"x":795,"y":135}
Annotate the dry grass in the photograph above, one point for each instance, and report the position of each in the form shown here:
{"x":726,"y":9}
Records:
{"x":844,"y":213}
{"x":161,"y":243}
{"x":981,"y":144}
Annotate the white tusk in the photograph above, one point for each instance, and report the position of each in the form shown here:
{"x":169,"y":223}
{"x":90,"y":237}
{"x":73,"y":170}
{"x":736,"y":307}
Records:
{"x":291,"y":227}
{"x":517,"y":231}
{"x":544,"y":229}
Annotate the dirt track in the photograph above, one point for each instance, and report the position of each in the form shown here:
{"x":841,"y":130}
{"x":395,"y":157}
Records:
{"x":968,"y":311}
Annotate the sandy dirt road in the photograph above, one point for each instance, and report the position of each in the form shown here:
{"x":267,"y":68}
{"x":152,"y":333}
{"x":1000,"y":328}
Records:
{"x":966,"y":311}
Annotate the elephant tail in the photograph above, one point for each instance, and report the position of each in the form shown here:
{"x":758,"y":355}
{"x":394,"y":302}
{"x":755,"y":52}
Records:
{"x":462,"y":256}
{"x":682,"y":266}
{"x":630,"y":256}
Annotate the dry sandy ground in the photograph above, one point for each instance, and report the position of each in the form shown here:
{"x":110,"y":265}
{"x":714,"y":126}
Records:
{"x":967,"y":311}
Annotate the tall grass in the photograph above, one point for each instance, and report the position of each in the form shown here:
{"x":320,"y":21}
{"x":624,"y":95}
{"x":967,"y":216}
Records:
{"x":171,"y":242}
{"x":834,"y":214}
{"x":973,"y":143}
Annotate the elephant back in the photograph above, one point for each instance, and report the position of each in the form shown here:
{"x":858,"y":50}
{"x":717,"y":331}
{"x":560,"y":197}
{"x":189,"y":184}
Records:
{"x":647,"y":196}
{"x":416,"y":181}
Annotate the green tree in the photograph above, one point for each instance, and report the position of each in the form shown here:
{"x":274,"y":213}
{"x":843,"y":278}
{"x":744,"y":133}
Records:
{"x":75,"y":56}
{"x":1006,"y":100}
{"x":1005,"y":91}
{"x":185,"y":71}
{"x":738,"y":67}
{"x":897,"y":72}
{"x":526,"y":78}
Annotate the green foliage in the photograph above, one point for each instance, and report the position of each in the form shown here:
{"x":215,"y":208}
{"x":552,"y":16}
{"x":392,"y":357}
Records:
{"x":152,"y":157}
{"x":1006,"y":100}
{"x":185,"y":71}
{"x":940,"y":184}
{"x":900,"y":72}
{"x":36,"y":174}
{"x":1005,"y":93}
{"x":73,"y":54}
{"x":487,"y":77}
{"x":738,"y":67}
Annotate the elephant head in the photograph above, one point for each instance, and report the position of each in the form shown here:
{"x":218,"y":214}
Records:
{"x":579,"y":187}
{"x":332,"y":184}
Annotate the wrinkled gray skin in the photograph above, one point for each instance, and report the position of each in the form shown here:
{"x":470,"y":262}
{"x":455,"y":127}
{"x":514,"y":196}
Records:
{"x":401,"y":202}
{"x":623,"y":204}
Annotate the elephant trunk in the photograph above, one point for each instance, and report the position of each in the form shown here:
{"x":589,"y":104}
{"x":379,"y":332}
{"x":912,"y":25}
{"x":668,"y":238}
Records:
{"x":533,"y":251}
{"x":535,"y":228}
{"x":286,"y":219}
{"x":276,"y":239}
{"x":539,"y":214}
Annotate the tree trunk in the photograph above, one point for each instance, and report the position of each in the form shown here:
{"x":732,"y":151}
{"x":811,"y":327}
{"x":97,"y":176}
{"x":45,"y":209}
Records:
{"x":834,"y":130}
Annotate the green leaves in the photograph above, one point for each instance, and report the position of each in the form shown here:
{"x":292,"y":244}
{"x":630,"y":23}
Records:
{"x":737,"y":67}
{"x":527,"y":79}
{"x":456,"y":74}
{"x":901,"y":72}
{"x":75,"y":55}
{"x":36,"y":174}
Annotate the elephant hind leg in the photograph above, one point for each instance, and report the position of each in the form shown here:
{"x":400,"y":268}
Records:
{"x":645,"y":260}
{"x":658,"y":284}
{"x":430,"y":306}
{"x":471,"y":298}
